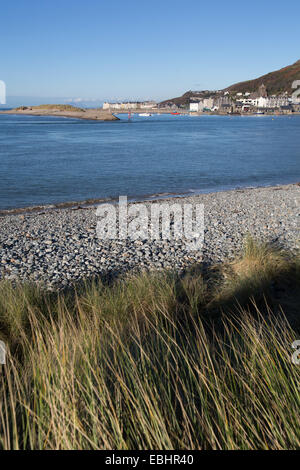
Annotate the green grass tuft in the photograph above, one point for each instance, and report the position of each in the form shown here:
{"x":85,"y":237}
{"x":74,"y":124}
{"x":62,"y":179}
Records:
{"x":156,"y":361}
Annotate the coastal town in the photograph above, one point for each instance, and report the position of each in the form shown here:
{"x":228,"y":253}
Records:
{"x":258,"y":102}
{"x":217,"y":102}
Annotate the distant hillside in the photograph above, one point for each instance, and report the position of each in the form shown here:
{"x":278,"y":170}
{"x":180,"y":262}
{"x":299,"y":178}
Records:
{"x":179,"y":101}
{"x":275,"y":82}
{"x":184,"y":100}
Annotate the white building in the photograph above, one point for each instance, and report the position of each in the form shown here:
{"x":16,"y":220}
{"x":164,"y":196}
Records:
{"x":199,"y":106}
{"x":129,"y":105}
{"x":247,"y":102}
{"x":295,"y":99}
{"x":194,"y":107}
{"x":271,"y":102}
{"x":208,"y":103}
{"x":148,"y":104}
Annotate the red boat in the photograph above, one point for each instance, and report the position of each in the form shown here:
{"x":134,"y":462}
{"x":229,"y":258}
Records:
{"x":176,"y":114}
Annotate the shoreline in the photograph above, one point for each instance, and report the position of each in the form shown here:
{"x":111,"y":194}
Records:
{"x":58,"y":248}
{"x":93,"y":114}
{"x":92,"y":202}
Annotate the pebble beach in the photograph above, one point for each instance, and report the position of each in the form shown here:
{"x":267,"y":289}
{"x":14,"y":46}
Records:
{"x":57,"y":247}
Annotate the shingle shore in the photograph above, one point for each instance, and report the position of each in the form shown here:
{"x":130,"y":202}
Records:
{"x":57,"y":247}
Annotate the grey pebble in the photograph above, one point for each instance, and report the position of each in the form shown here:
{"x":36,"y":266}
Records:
{"x":57,"y":247}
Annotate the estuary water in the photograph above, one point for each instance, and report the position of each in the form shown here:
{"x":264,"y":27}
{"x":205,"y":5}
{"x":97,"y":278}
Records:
{"x":48,"y":160}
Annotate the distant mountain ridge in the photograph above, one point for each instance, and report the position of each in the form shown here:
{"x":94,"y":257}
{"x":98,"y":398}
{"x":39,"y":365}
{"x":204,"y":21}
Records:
{"x":276,"y":82}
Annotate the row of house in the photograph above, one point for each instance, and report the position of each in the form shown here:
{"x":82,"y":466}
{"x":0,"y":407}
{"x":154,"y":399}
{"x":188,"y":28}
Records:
{"x":237,"y":108}
{"x":266,"y":102}
{"x":125,"y":105}
{"x":257,"y":102}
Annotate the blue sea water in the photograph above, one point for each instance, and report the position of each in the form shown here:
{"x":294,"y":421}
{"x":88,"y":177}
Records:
{"x":46,"y":160}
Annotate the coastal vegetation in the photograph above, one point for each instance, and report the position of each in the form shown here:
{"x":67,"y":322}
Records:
{"x":51,"y":107}
{"x":156,"y":360}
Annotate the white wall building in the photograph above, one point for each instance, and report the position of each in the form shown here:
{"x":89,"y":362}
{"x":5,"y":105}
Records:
{"x":199,"y":106}
{"x":295,"y":99}
{"x":194,"y":107}
{"x":208,"y":103}
{"x":148,"y":104}
{"x":129,"y":105}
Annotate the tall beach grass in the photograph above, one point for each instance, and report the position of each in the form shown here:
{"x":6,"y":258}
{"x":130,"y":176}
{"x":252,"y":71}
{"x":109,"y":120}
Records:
{"x":156,"y":361}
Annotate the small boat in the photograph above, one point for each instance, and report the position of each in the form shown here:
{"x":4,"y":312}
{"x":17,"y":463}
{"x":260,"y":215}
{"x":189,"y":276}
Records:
{"x":145,"y":114}
{"x":176,"y":114}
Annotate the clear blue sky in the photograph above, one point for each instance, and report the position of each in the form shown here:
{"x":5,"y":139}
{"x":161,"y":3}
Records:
{"x":141,"y":49}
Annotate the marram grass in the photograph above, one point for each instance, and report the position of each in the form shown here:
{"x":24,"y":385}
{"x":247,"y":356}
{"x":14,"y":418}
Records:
{"x":155,"y":361}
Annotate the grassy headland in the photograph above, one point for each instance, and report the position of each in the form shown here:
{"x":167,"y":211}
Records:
{"x":156,"y":361}
{"x":64,"y":110}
